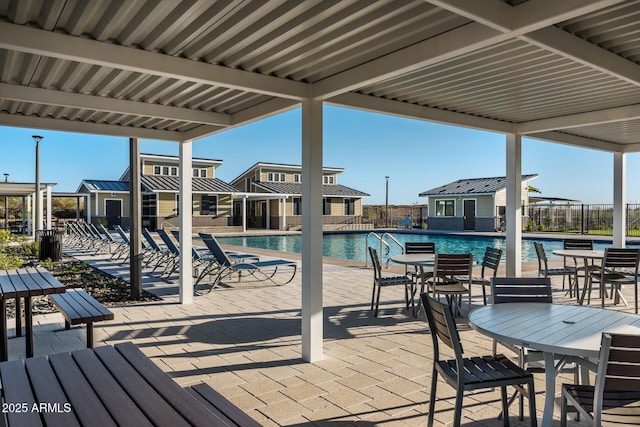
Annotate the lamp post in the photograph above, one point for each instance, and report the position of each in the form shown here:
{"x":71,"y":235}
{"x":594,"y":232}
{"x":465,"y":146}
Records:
{"x":386,"y":203}
{"x":6,"y":202}
{"x":36,"y":215}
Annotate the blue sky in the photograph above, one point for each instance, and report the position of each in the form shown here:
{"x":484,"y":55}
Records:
{"x":416,"y":155}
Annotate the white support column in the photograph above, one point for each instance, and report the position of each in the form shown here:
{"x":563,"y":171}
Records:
{"x":34,"y":217}
{"x":28,"y":215}
{"x":186,"y":223}
{"x":244,"y":214}
{"x":268,"y":210}
{"x":284,"y":213}
{"x":312,"y":306}
{"x":87,"y":207}
{"x":48,"y":227}
{"x":619,"y":198}
{"x":97,"y":211}
{"x":40,"y":213}
{"x":513,"y":217}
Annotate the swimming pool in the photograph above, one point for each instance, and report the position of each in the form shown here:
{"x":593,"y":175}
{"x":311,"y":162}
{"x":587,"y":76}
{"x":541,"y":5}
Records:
{"x":351,"y":246}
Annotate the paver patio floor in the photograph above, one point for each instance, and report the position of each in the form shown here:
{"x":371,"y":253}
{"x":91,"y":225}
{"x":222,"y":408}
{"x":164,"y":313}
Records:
{"x":244,"y":340}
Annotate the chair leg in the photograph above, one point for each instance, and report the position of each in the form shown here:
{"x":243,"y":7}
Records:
{"x":432,"y":398}
{"x":457,"y":417}
{"x":532,"y":403}
{"x":505,"y":406}
{"x":373,"y":295}
{"x":375,"y":314}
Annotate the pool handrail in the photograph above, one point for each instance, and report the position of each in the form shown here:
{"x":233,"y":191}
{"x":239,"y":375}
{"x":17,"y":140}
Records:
{"x":382,"y":243}
{"x":394,"y":240}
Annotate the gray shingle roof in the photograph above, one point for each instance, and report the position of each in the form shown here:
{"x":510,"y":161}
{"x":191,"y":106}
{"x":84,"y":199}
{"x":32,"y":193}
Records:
{"x":172,"y":183}
{"x":294,"y":188}
{"x":473,"y":186}
{"x":104,"y":185}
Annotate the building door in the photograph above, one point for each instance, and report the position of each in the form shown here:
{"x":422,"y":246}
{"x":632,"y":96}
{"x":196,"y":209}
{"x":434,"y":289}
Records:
{"x":469,"y":214}
{"x":237,"y":213}
{"x":263,"y":213}
{"x":113,"y":212}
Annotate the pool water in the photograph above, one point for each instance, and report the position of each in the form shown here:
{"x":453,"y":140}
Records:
{"x":352,"y":246}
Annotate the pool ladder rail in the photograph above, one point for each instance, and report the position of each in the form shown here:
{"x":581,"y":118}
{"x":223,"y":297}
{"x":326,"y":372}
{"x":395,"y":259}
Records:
{"x":383,"y":244}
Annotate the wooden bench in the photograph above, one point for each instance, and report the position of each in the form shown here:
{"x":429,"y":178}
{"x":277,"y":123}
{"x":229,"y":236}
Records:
{"x":219,"y":405}
{"x":78,"y":307}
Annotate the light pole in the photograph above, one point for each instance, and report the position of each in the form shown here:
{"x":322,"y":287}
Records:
{"x":386,"y":203}
{"x":36,"y":215}
{"x":6,"y":202}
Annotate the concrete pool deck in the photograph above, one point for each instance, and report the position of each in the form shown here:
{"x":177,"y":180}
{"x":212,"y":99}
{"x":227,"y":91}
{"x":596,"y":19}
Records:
{"x":244,"y":340}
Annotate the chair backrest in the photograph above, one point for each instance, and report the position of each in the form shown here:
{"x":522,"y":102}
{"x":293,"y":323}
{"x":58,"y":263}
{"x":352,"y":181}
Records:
{"x":105,"y":232}
{"x":521,"y":289}
{"x":419,"y":248}
{"x":583,"y":244}
{"x":154,"y":245}
{"x":215,"y":249}
{"x":542,"y":256}
{"x":168,"y":241}
{"x":375,"y":262}
{"x":491,"y":260}
{"x":621,"y":258}
{"x":450,"y":265}
{"x":618,"y":377}
{"x":442,"y":326}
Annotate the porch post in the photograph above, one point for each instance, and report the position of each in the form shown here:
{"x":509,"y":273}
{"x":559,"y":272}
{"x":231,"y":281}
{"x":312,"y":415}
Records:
{"x":513,"y":214}
{"x":284,"y":213}
{"x":48,"y":227}
{"x":619,"y":197}
{"x":244,"y":213}
{"x":27,"y":215}
{"x":135,"y":218}
{"x":87,"y":207}
{"x":186,"y":223}
{"x":268,"y":210}
{"x":312,"y":306}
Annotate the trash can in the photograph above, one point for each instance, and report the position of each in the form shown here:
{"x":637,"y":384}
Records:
{"x":49,"y":244}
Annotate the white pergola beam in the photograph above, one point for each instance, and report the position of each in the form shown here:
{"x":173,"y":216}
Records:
{"x":611,"y":115}
{"x":579,"y":50}
{"x":413,"y":111}
{"x":101,"y":103}
{"x":578,"y":141}
{"x":56,"y":45}
{"x":85,"y":127}
{"x":492,"y":27}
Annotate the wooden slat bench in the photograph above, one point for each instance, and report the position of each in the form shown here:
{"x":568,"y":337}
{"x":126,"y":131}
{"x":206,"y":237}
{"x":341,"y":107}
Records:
{"x":78,"y":307}
{"x":219,"y":405}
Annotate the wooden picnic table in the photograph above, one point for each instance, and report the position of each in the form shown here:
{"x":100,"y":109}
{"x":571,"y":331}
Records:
{"x":18,"y":284}
{"x":106,"y":386}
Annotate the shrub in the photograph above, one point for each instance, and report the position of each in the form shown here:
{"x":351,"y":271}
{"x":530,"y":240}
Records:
{"x":29,"y":249}
{"x":9,"y":261}
{"x":5,"y":237}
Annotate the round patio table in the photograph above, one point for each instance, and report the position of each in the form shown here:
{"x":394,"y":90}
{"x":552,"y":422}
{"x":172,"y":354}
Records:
{"x":418,"y":260}
{"x":565,"y":332}
{"x":586,"y":255}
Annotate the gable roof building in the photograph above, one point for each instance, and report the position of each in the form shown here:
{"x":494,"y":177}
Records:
{"x":472,"y":204}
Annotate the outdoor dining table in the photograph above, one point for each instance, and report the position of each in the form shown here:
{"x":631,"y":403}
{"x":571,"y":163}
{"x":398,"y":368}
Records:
{"x":564,"y":333}
{"x":104,"y":386}
{"x":588,"y":256}
{"x":419,"y":260}
{"x":18,"y":284}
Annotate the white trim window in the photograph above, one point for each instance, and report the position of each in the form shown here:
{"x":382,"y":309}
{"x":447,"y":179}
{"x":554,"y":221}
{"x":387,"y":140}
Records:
{"x":445,"y":207}
{"x":165,"y":170}
{"x":297,"y":178}
{"x":209,"y":205}
{"x":296,"y":206}
{"x":199,"y":172}
{"x":349,"y":206}
{"x":157,"y":170}
{"x":275,"y":177}
{"x":328,"y":179}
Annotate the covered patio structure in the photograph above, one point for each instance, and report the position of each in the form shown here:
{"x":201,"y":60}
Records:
{"x":565,"y":72}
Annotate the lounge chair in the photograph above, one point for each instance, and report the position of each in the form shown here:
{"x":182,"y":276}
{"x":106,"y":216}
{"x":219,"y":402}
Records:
{"x":261,"y":270}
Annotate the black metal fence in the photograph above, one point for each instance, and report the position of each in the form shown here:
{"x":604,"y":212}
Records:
{"x":581,"y":219}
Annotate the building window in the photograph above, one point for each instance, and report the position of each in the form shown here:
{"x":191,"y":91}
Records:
{"x":209,"y":205}
{"x":326,"y":206}
{"x":165,"y":170}
{"x":445,"y":207}
{"x":297,"y":206}
{"x":275,"y":177}
{"x":297,"y":178}
{"x":173,"y":171}
{"x":199,"y":172}
{"x":157,"y":170}
{"x":349,"y":207}
{"x":328,"y":179}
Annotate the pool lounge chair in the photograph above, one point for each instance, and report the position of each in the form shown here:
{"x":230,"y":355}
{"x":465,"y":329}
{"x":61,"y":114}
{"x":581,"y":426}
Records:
{"x":261,"y":270}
